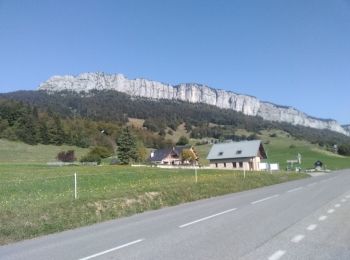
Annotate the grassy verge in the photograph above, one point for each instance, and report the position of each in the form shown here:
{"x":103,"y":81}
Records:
{"x":37,"y":199}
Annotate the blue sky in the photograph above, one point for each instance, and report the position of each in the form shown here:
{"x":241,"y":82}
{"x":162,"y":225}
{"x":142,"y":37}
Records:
{"x":292,"y":52}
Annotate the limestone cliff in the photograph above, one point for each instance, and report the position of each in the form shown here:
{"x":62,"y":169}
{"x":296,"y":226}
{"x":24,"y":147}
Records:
{"x":189,"y":92}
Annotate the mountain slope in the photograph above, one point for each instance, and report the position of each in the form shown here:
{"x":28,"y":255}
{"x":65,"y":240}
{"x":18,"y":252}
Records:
{"x":190,"y":92}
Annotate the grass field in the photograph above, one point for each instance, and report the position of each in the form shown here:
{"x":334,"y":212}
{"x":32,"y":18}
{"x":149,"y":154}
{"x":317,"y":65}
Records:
{"x":18,"y":152}
{"x":38,"y":199}
{"x":283,"y":147}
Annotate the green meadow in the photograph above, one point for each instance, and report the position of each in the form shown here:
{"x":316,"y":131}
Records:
{"x":38,"y":199}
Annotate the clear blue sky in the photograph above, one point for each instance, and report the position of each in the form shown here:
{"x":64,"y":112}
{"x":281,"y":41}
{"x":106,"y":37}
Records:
{"x":294,"y":52}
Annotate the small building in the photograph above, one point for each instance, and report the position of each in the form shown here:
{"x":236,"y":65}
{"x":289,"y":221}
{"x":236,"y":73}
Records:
{"x":244,"y":155}
{"x":318,"y":165}
{"x":172,"y":156}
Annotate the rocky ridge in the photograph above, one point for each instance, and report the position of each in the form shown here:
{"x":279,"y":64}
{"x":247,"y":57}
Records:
{"x":190,"y":92}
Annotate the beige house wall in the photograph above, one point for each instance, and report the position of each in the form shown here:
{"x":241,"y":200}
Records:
{"x":237,"y":164}
{"x":171,"y":160}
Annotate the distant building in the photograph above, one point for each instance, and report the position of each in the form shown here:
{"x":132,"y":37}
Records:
{"x":171,"y":156}
{"x":245,"y":155}
{"x":318,"y":165}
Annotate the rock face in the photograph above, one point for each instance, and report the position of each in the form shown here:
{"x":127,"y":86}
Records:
{"x":347,"y":128}
{"x":189,"y":92}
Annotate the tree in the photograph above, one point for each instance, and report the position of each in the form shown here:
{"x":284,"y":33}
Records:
{"x":344,"y":149}
{"x":66,"y":156}
{"x":141,"y":152}
{"x":183,"y":140}
{"x":126,"y":150}
{"x":188,"y":155}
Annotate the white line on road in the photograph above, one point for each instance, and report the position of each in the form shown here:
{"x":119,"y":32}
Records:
{"x":322,"y":218}
{"x":112,"y":249}
{"x":206,"y":218}
{"x":297,"y":238}
{"x":267,"y":198}
{"x":277,"y":255}
{"x":337,"y":205}
{"x":330,"y":211}
{"x":296,"y":189}
{"x":311,"y":227}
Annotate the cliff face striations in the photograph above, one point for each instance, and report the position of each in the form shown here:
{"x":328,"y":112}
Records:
{"x":190,"y":92}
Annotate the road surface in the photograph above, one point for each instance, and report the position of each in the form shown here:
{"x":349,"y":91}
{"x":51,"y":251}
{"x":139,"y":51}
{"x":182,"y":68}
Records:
{"x":304,"y":219}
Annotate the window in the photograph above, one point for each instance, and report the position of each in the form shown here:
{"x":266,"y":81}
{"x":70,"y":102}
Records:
{"x":224,"y":165}
{"x":221,"y":153}
{"x":216,"y":165}
{"x":240,"y":164}
{"x":234,"y":165}
{"x":239,"y":152}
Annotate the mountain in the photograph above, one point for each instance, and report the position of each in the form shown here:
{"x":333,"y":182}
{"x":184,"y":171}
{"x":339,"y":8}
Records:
{"x":347,"y":128}
{"x":190,"y":92}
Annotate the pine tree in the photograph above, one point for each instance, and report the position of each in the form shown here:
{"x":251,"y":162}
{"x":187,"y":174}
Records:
{"x":126,"y":147}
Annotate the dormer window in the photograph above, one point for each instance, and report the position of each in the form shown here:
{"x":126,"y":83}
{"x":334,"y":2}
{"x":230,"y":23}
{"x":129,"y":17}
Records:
{"x":239,"y":152}
{"x":221,"y":153}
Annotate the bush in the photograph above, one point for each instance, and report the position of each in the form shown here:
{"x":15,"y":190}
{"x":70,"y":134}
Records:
{"x":96,"y":154}
{"x":183,"y":140}
{"x":344,"y":149}
{"x":101,"y":151}
{"x":90,"y":157}
{"x":66,"y":156}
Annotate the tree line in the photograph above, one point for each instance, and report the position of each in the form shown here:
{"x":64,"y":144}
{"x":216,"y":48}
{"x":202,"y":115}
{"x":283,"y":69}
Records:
{"x":82,"y":116}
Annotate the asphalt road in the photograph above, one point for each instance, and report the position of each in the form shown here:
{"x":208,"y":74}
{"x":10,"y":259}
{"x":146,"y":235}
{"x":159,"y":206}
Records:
{"x":304,"y":219}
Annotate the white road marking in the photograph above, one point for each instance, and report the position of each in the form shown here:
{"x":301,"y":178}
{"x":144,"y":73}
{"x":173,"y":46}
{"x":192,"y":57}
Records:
{"x":311,"y":227}
{"x":206,"y":218}
{"x":297,"y":238}
{"x":296,"y":189}
{"x":277,"y":255}
{"x":312,"y":184}
{"x":112,"y":249}
{"x":322,"y":218}
{"x":343,"y":200}
{"x":330,"y":211}
{"x":337,"y":205}
{"x":267,"y":198}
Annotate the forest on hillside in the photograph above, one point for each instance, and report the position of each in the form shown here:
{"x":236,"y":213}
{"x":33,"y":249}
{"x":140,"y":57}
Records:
{"x":96,"y":118}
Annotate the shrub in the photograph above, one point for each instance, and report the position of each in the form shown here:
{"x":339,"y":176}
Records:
{"x":101,"y":151}
{"x":90,"y":157}
{"x":66,"y":156}
{"x":96,"y":154}
{"x":183,"y":140}
{"x":344,"y":149}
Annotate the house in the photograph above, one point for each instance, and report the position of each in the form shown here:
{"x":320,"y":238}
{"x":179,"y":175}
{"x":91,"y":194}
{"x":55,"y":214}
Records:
{"x":244,"y":155}
{"x":172,"y":156}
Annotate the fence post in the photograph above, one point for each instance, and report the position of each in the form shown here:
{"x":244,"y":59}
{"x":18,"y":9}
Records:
{"x":195,"y":172}
{"x":75,"y":186}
